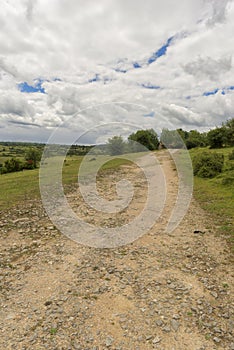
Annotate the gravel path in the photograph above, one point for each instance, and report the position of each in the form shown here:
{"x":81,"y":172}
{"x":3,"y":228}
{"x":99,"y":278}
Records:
{"x":164,"y":291}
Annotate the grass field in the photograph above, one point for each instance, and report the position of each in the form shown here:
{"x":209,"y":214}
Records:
{"x":217,"y":195}
{"x":16,"y":187}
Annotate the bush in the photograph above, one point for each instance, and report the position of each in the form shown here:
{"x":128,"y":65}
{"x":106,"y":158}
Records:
{"x":208,"y":165}
{"x":12,"y":165}
{"x":32,"y":157}
{"x":231,"y":155}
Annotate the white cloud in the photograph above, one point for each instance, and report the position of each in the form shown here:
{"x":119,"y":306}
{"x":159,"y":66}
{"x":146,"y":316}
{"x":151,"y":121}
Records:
{"x":15,"y":103}
{"x":78,"y":42}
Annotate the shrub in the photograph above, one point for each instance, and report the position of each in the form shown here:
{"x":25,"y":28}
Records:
{"x":32,"y":157}
{"x":208,"y":165}
{"x":12,"y":165}
{"x":228,"y":180}
{"x":231,"y":155}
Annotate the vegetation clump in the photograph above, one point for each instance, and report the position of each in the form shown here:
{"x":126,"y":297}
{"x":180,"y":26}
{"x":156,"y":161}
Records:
{"x":140,"y":141}
{"x":208,"y":165}
{"x":146,"y":138}
{"x":30,"y":161}
{"x":231,"y":155}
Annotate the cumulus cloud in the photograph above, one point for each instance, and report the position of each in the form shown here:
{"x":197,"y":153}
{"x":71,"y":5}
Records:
{"x":207,"y":67}
{"x":30,"y":7}
{"x":15,"y":104}
{"x":219,"y":10}
{"x":137,"y":58}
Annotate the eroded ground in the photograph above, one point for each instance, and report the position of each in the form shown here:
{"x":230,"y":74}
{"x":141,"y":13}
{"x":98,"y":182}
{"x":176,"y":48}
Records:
{"x":164,"y":291}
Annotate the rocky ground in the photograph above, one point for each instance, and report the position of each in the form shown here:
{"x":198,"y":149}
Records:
{"x":164,"y":291}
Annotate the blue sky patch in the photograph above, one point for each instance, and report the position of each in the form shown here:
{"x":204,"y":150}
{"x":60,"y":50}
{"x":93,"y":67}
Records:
{"x":150,"y":86}
{"x":136,"y":65}
{"x":161,"y":52}
{"x":149,"y":115}
{"x":25,"y":87}
{"x":119,"y":70}
{"x":94,"y":79}
{"x":213,"y":92}
{"x":225,"y":90}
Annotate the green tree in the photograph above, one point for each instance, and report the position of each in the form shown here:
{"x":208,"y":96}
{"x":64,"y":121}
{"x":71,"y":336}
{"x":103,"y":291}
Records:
{"x":216,"y":137}
{"x":229,"y":132}
{"x":32,"y":157}
{"x":115,"y":145}
{"x":195,"y":139}
{"x":146,"y":138}
{"x":183,"y":134}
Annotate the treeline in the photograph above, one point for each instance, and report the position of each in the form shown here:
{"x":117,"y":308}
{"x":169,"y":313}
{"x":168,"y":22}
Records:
{"x":139,"y":141}
{"x":14,"y":144}
{"x":79,"y":150}
{"x":27,"y":156}
{"x":216,"y":138}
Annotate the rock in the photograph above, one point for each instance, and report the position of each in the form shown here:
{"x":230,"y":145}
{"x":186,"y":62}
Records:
{"x":159,"y":323}
{"x":109,"y":341}
{"x":176,"y":317}
{"x":166,"y":329}
{"x":175,"y":325}
{"x":149,"y":337}
{"x":214,"y":294}
{"x":48,"y":302}
{"x":217,"y":340}
{"x":156,"y":340}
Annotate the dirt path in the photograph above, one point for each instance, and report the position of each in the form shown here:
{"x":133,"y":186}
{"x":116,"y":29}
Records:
{"x":160,"y":292}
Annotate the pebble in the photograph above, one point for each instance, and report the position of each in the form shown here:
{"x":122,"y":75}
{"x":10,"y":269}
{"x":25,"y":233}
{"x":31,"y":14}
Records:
{"x":109,"y":341}
{"x":175,"y":325}
{"x":217,"y":340}
{"x":156,"y":340}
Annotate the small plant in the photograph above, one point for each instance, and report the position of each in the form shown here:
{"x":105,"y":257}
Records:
{"x":208,"y":165}
{"x":53,"y":331}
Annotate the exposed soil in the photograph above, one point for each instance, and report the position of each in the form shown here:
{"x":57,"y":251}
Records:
{"x":164,"y":291}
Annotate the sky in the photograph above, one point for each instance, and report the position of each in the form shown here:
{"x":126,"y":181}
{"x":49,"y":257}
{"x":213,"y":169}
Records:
{"x":72,"y":67}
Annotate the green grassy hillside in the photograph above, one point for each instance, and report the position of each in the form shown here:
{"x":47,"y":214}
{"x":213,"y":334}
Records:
{"x":216,"y":195}
{"x":16,"y":187}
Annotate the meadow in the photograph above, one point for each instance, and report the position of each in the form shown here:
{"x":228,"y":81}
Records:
{"x":17,"y":187}
{"x":215,"y":195}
